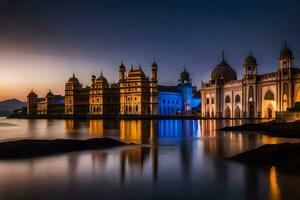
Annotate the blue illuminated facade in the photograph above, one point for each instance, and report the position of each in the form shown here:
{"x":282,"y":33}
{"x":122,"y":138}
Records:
{"x":178,"y":99}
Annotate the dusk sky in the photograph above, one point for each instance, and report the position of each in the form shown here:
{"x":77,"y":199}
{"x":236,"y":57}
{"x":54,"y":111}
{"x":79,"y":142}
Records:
{"x":42,"y":42}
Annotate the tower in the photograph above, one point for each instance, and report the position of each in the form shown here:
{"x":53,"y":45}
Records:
{"x":250,"y":67}
{"x":32,"y":100}
{"x":250,"y":88}
{"x":71,"y":90}
{"x":154,"y":90}
{"x":285,"y":94}
{"x":122,"y":71}
{"x":286,"y":58}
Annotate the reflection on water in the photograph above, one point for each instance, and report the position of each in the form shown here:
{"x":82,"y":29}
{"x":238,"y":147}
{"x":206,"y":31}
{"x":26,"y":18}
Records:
{"x":179,"y":159}
{"x":274,"y":187}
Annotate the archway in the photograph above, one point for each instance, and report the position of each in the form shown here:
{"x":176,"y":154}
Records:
{"x":237,"y":112}
{"x":227,"y":112}
{"x":251,"y":111}
{"x":269,"y":111}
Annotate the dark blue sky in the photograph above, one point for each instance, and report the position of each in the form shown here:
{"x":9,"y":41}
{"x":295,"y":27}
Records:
{"x":174,"y":33}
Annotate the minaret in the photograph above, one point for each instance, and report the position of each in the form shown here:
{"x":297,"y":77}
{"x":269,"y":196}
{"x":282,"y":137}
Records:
{"x":286,"y":58}
{"x":154,"y":90}
{"x":154,"y":69}
{"x":122,"y":71}
{"x":250,"y":66}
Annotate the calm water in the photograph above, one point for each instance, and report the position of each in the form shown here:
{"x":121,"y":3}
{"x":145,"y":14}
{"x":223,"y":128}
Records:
{"x":177,"y":159}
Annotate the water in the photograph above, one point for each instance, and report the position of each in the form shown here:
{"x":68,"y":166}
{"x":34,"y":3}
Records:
{"x":176,"y":159}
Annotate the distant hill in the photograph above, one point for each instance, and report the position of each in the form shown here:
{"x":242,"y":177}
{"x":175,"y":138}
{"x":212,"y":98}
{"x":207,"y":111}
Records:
{"x":8,"y":106}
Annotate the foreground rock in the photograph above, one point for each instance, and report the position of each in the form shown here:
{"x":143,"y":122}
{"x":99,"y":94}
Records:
{"x":34,"y":148}
{"x":278,"y":129}
{"x":285,"y":156}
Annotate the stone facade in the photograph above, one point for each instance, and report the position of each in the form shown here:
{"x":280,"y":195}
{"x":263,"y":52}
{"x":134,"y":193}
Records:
{"x":254,"y":95}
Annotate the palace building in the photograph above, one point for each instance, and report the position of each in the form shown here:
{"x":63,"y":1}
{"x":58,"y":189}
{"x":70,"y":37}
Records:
{"x":104,"y":98}
{"x":138,"y":93}
{"x":50,"y":105}
{"x":254,"y":95}
{"x":134,"y":94}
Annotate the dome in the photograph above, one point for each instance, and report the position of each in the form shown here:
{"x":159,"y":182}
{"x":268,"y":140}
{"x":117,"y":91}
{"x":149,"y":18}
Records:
{"x":286,"y":53}
{"x":73,"y":80}
{"x":122,"y":66}
{"x":101,"y":78}
{"x":154,"y":65}
{"x":223,"y":71}
{"x":250,"y":60}
{"x":184,"y":76}
{"x":49,"y":94}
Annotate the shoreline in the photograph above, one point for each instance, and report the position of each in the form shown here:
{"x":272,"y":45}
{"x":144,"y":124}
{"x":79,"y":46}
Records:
{"x":31,"y":148}
{"x":272,"y":128}
{"x":284,"y":156}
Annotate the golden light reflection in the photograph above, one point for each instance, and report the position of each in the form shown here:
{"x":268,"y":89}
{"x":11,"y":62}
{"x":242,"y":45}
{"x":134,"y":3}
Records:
{"x":96,"y":129}
{"x":275,"y":193}
{"x":135,"y":131}
{"x":69,"y":126}
{"x":269,"y":140}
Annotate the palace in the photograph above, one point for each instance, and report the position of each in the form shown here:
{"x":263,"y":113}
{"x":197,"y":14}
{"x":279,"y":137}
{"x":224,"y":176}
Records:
{"x":254,"y":95}
{"x":134,"y":94}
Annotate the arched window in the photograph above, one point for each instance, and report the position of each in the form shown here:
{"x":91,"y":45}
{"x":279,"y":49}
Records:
{"x":136,"y":108}
{"x":237,"y":99}
{"x":227,"y":99}
{"x":269,"y":95}
{"x":227,"y":112}
{"x":284,"y":64}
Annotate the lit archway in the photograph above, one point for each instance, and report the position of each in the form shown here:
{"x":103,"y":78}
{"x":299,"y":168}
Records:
{"x":227,"y":112}
{"x":269,"y":112}
{"x":237,"y":112}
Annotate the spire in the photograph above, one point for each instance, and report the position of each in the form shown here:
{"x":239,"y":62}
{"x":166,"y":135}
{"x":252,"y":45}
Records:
{"x":250,"y":53}
{"x":131,"y":67}
{"x":140,"y":67}
{"x":73,"y":75}
{"x":285,"y":45}
{"x":101,"y":74}
{"x":223,"y":56}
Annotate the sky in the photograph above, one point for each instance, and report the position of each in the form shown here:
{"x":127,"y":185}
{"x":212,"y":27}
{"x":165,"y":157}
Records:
{"x":43,"y":42}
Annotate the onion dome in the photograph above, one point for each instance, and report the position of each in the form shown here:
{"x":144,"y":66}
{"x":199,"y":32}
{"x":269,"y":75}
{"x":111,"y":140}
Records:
{"x":286,"y":53}
{"x":250,"y":60}
{"x":50,"y":94}
{"x":122,"y":66}
{"x":223,"y":71}
{"x":101,"y":79}
{"x":184,"y":76}
{"x":73,"y":80}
